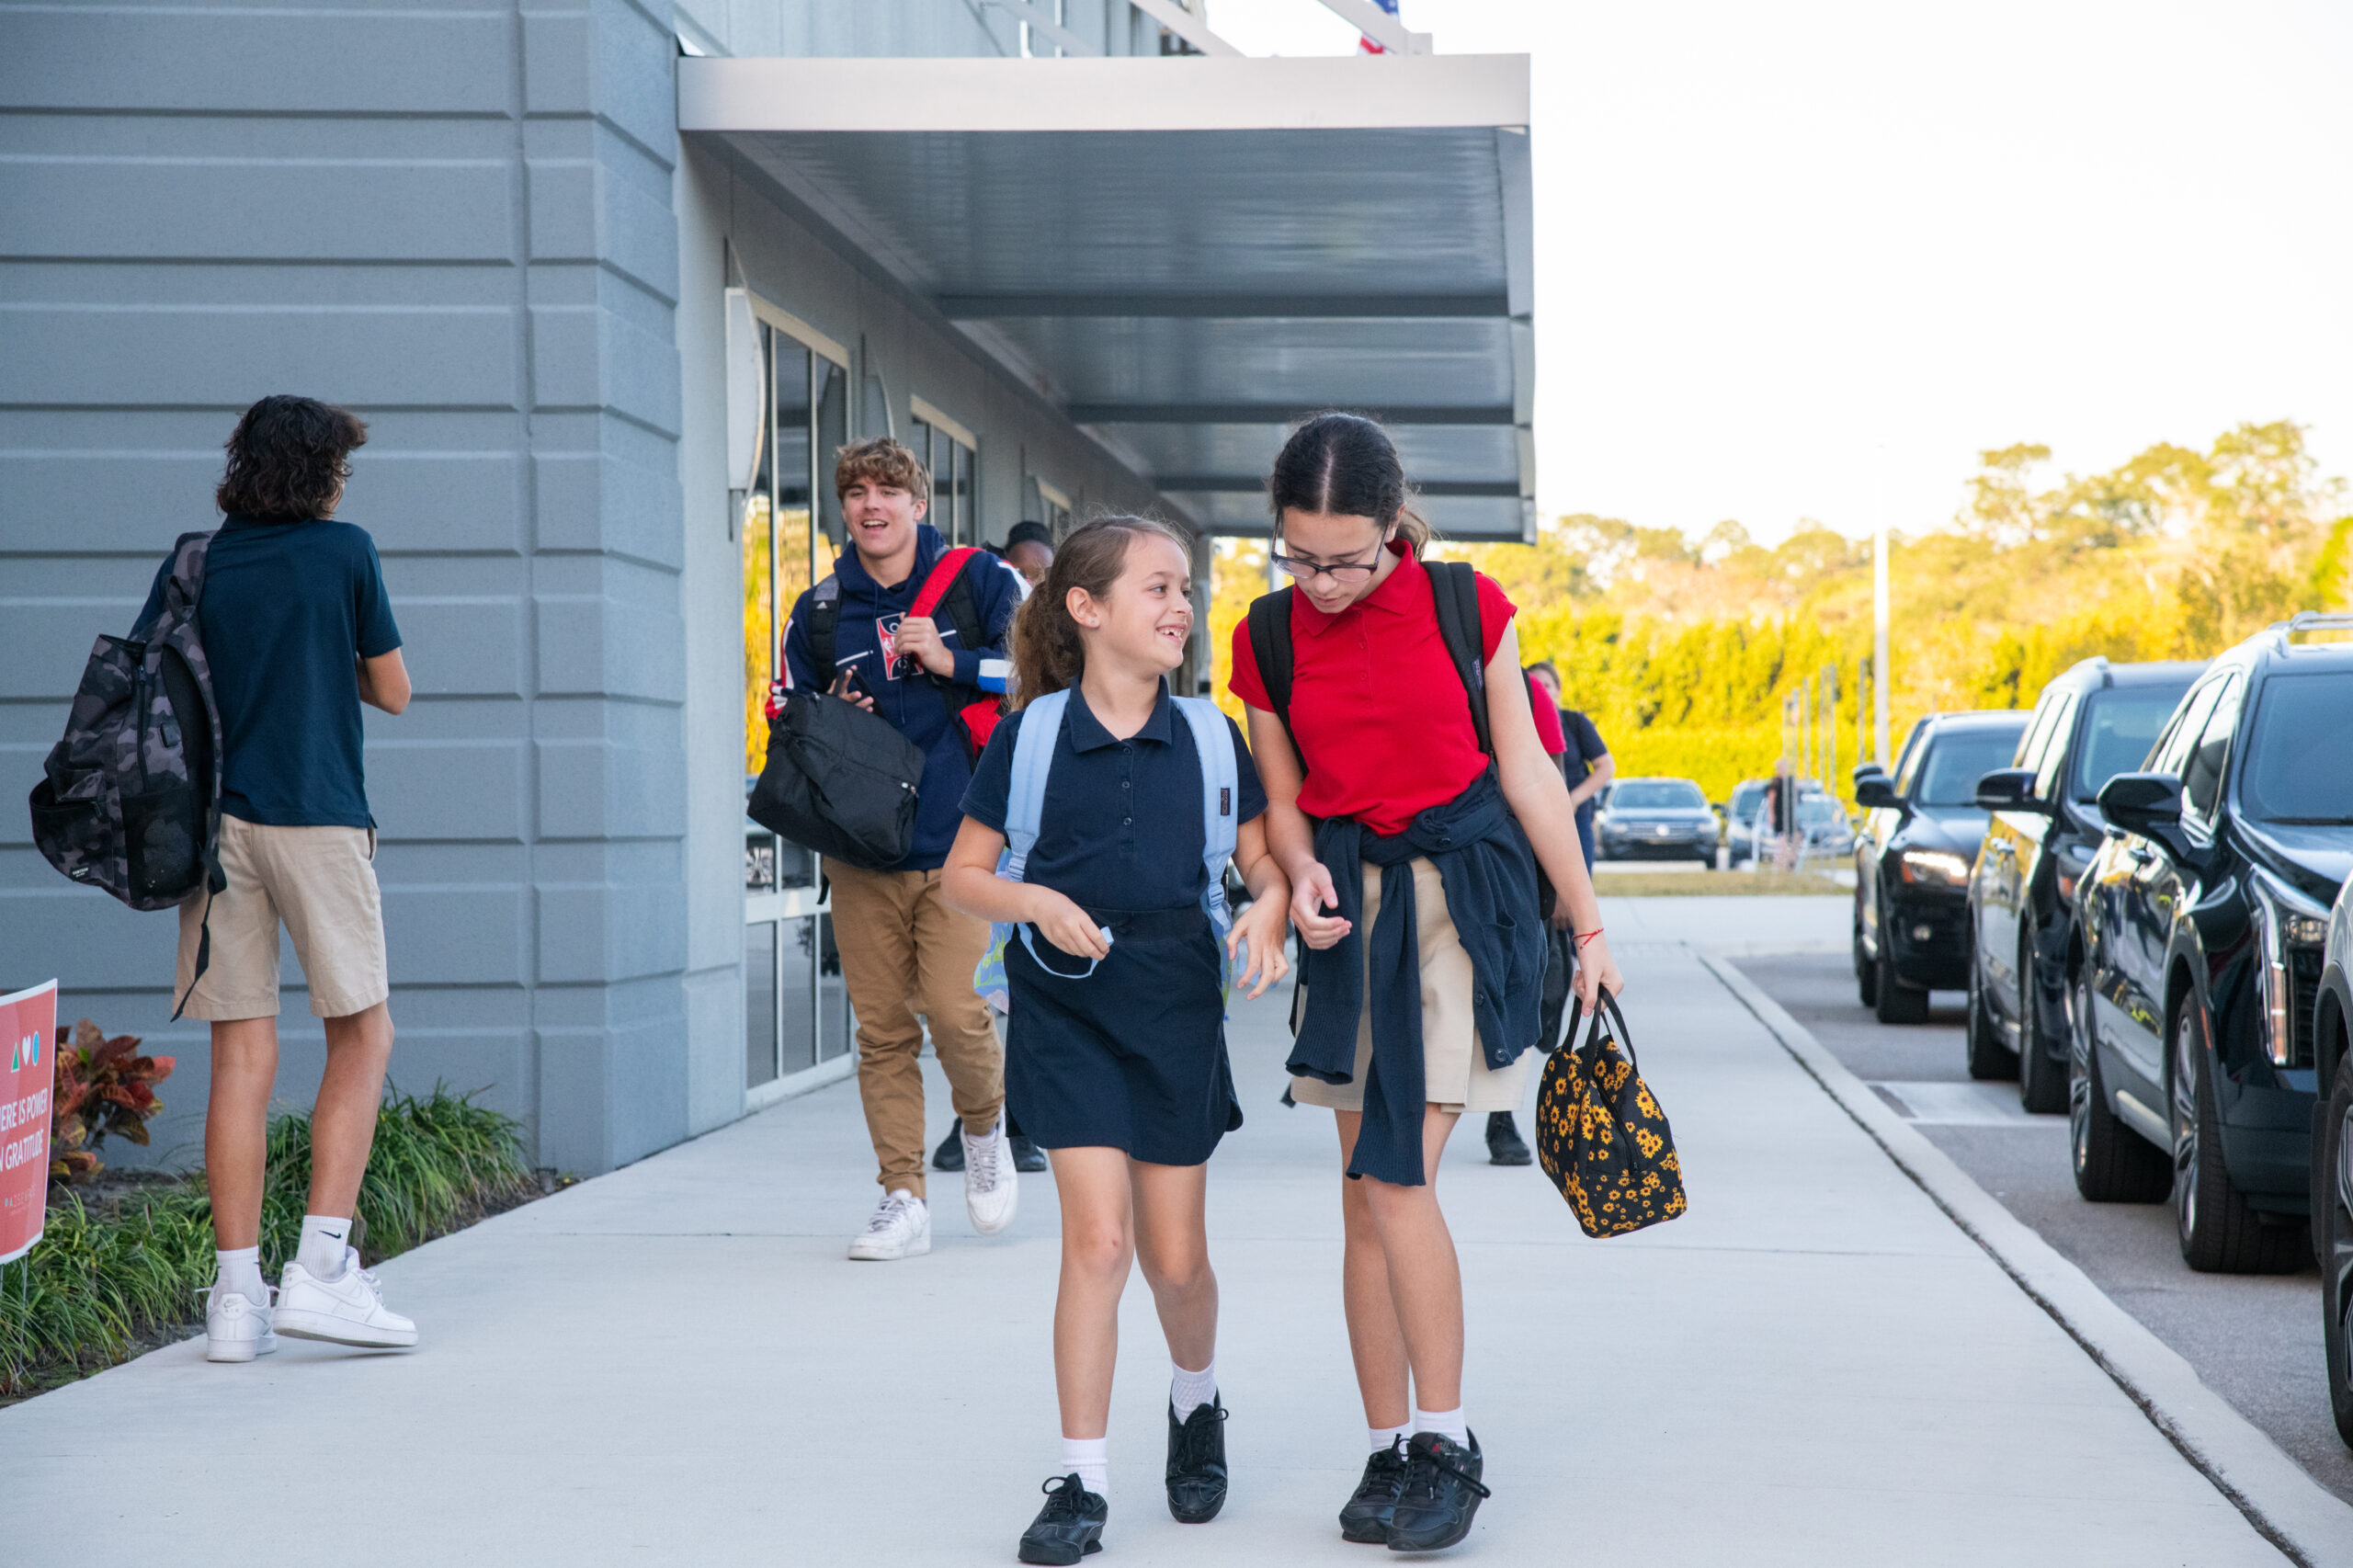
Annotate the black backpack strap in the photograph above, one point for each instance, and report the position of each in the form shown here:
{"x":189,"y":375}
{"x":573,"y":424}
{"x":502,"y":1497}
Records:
{"x":1270,"y":643}
{"x":824,"y":628}
{"x":1455,"y":585}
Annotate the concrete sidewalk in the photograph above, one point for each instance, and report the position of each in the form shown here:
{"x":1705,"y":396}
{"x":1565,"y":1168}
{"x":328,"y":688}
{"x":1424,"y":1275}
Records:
{"x":674,"y":1364}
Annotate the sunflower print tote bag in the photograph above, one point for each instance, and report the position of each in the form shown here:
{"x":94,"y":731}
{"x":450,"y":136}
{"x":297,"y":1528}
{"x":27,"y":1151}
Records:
{"x":1601,"y":1134}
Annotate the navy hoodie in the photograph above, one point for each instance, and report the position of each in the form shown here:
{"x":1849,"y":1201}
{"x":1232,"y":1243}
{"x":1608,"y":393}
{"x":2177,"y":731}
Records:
{"x":918,"y":705}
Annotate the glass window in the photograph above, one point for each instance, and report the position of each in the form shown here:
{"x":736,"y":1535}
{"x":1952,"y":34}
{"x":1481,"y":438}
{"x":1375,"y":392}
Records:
{"x":829,"y":429}
{"x":1744,"y":801}
{"x":759,"y":1004}
{"x":2172,"y":750}
{"x":2048,"y":752}
{"x":1657,"y":795}
{"x":2201,"y":776}
{"x":2120,"y":732}
{"x":949,"y":463}
{"x":2299,"y":752}
{"x":2038,"y":734}
{"x":1948,"y":768}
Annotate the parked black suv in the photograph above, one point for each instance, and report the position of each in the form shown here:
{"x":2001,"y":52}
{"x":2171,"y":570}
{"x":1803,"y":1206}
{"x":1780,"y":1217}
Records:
{"x":1912,"y":862}
{"x":2203,"y":918}
{"x":2095,"y":721}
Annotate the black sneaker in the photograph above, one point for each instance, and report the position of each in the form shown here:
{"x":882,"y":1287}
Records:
{"x":1196,"y":1463}
{"x":950,"y":1155}
{"x":1069,"y":1524}
{"x":1442,"y":1492}
{"x":1027,"y":1156}
{"x":1504,"y":1146}
{"x":1366,"y":1518}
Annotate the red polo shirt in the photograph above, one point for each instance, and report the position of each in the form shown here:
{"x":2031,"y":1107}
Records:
{"x":1375,"y":706}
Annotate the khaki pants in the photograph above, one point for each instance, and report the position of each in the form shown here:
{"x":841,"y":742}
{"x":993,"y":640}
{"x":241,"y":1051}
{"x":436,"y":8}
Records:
{"x":905,"y":952}
{"x":320,"y":881}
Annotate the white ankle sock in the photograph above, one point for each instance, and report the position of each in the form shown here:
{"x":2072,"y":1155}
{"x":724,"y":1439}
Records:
{"x":1382,"y":1438}
{"x":1445,"y":1423}
{"x":323,"y":1238}
{"x":238,"y":1273}
{"x":1089,"y":1459}
{"x":1188,"y":1392}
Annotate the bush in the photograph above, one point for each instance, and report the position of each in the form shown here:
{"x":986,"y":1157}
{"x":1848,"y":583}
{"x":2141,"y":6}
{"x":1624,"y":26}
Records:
{"x":108,"y":1275}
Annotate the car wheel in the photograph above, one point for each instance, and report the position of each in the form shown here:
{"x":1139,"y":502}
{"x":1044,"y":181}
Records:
{"x":1866,"y":975}
{"x":2042,"y":1081}
{"x":2219,"y":1233}
{"x":1981,"y":1045}
{"x":1892,"y":1002}
{"x":2113,"y":1164}
{"x":2333,"y":1209}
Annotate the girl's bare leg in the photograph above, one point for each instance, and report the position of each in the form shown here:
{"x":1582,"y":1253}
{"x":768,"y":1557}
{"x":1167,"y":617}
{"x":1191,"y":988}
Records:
{"x":1098,"y":1245}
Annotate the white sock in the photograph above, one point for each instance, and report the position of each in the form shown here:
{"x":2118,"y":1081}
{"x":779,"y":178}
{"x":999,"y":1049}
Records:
{"x":1445,"y":1423}
{"x":1384,"y":1437}
{"x":1089,"y":1459}
{"x":238,"y":1273}
{"x":325,"y":1236}
{"x":1188,"y":1392}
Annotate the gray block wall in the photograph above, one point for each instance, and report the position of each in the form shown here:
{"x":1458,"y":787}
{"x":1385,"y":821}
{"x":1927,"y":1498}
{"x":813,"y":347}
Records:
{"x":458,"y":222}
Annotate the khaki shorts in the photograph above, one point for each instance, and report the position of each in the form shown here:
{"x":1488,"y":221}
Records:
{"x":1454,"y":1070}
{"x":322,"y":882}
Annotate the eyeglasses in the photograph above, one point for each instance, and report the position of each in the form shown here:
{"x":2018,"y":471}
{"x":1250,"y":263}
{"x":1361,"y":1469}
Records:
{"x":1347,"y":572}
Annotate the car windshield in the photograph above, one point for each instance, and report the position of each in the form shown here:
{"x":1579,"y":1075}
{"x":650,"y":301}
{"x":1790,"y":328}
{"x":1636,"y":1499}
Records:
{"x":1745,"y":802}
{"x":1657,"y":795}
{"x":2300,"y":754}
{"x":2123,"y":725}
{"x":1957,"y":759}
{"x":1816,"y":810}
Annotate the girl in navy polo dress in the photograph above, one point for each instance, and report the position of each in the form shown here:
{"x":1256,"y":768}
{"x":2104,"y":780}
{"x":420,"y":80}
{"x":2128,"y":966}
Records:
{"x":1115,"y":1049}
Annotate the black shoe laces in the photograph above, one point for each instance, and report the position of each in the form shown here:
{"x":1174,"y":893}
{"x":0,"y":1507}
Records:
{"x":1424,"y":1481}
{"x":1065,"y":1498}
{"x":1192,"y":1437}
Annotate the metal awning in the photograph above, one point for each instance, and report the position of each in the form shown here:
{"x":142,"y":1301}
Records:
{"x":1186,"y":254}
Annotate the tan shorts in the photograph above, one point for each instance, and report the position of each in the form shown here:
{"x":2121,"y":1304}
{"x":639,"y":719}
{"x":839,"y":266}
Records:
{"x":322,"y":882}
{"x":1455,"y":1071}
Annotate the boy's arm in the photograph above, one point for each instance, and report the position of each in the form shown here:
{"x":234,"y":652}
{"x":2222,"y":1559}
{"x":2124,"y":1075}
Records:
{"x":800,"y":663}
{"x":383,"y":682}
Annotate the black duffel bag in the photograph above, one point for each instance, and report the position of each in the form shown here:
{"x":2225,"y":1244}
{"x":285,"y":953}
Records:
{"x":840,"y":781}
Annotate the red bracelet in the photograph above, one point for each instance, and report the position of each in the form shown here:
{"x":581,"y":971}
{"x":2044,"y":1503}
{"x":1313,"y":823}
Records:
{"x":1585,"y":937}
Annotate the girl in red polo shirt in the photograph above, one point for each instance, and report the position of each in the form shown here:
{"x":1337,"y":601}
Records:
{"x":1412,"y":860}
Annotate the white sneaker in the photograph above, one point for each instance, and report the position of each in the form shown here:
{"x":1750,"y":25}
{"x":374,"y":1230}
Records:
{"x":347,"y":1310}
{"x":235,"y":1329}
{"x":901,"y":1227}
{"x":991,"y":1186}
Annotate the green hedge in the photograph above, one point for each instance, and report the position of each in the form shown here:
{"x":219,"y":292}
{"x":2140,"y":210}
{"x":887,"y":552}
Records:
{"x":105,"y":1276}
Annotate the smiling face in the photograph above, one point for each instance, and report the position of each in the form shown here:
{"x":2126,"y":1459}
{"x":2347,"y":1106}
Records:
{"x":1144,"y":619}
{"x":1335,"y":539}
{"x":881,"y":519}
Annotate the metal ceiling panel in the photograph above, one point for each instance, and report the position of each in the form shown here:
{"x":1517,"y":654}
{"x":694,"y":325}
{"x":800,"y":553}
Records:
{"x":1193,"y":237}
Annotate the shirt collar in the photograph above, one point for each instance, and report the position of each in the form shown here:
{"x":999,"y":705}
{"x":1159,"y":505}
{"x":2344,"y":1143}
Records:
{"x":1088,"y":733}
{"x":1400,"y":592}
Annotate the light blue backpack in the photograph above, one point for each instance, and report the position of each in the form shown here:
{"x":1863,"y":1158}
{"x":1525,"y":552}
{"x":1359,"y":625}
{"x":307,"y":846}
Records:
{"x":1033,"y":754}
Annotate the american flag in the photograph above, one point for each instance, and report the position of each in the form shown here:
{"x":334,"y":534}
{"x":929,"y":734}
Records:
{"x":1368,"y":46}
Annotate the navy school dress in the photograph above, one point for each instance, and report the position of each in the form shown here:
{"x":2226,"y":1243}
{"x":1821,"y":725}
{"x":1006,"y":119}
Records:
{"x":1133,"y":1056}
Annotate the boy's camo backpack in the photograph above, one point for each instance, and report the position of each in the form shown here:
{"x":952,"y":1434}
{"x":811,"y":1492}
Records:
{"x":129,"y":800}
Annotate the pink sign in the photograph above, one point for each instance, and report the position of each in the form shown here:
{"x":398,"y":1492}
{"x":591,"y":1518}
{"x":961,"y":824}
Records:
{"x":27,"y":1078}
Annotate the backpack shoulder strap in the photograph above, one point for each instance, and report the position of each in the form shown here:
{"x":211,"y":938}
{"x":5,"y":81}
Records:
{"x":1270,"y":643}
{"x":1033,"y":758}
{"x":1221,"y":799}
{"x":945,"y":572}
{"x":1455,"y":585}
{"x":824,"y":625}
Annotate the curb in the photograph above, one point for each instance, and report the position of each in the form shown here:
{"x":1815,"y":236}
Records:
{"x":2286,"y":1506}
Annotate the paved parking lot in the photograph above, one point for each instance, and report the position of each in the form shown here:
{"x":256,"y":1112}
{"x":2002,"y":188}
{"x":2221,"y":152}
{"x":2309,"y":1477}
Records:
{"x":2256,"y":1340}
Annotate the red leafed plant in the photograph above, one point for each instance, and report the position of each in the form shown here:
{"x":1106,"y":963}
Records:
{"x":103,"y":1086}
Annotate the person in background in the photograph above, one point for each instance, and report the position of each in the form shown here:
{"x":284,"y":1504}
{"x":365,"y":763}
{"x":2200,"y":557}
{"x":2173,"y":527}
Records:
{"x":904,"y":950}
{"x":1584,"y":760}
{"x":298,"y":630}
{"x":1029,"y":550}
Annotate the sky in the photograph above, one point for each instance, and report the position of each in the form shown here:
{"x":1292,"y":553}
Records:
{"x":1807,"y":260}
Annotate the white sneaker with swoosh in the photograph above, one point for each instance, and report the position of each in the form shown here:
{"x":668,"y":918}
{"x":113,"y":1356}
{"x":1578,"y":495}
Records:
{"x":235,"y":1329}
{"x":347,"y":1310}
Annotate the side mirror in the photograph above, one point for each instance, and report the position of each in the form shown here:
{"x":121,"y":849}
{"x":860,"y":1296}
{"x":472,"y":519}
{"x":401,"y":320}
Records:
{"x":2148,"y":804}
{"x":1864,"y":770}
{"x":1874,"y":791}
{"x":2009,"y":789}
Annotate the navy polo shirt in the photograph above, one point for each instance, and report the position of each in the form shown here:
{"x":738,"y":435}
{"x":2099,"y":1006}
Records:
{"x":1120,"y":826}
{"x":288,"y":612}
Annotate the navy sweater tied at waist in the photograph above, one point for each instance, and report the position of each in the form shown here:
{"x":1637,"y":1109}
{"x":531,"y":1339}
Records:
{"x":1489,"y":872}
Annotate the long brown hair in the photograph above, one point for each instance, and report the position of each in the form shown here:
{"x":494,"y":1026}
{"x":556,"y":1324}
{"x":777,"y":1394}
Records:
{"x":1048,"y":654}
